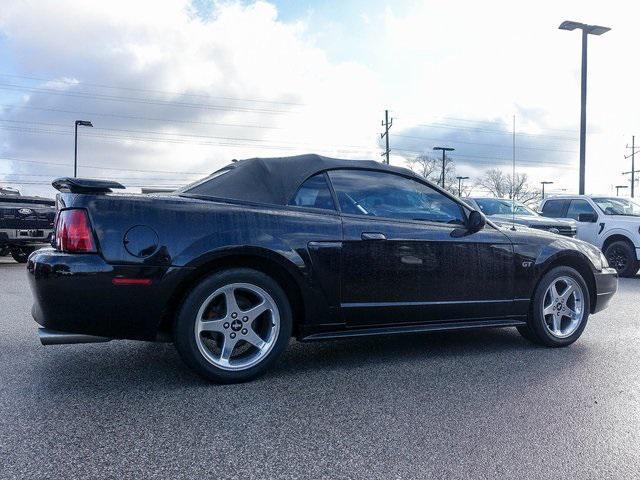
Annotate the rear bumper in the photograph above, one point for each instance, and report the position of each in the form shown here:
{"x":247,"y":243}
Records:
{"x":75,"y":293}
{"x":606,"y":287}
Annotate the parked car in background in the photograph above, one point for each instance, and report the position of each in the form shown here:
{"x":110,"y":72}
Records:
{"x":232,"y":266}
{"x":26,"y":223}
{"x":610,"y":223}
{"x":510,"y":211}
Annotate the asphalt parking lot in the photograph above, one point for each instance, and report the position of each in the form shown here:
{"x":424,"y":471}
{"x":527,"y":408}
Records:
{"x":482,"y":404}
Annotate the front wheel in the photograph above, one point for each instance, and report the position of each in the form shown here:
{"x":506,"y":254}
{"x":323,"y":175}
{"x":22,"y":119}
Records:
{"x":560,"y":309}
{"x":233,"y":325}
{"x":621,"y":255}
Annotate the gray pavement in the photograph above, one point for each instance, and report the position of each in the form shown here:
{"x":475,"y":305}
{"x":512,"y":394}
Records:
{"x":482,"y":404}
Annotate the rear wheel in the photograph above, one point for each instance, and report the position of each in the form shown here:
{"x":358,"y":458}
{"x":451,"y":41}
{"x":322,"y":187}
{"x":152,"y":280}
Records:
{"x":21,"y":255}
{"x":560,"y":309}
{"x":621,"y":255}
{"x":233,"y":325}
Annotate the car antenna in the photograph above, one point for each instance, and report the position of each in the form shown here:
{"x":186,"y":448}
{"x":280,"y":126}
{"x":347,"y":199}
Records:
{"x":513,"y":180}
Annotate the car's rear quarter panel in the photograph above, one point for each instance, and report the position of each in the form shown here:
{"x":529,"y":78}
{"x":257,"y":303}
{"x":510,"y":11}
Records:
{"x":192,"y":236}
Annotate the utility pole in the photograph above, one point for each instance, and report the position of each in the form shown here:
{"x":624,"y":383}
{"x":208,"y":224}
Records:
{"x":444,"y":149}
{"x":631,"y":173}
{"x":633,"y":164}
{"x":543,"y":184}
{"x":618,"y":187}
{"x":386,"y":123}
{"x":460,"y":184}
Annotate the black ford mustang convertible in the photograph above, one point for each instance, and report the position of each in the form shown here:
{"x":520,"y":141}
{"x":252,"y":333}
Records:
{"x":232,"y":266}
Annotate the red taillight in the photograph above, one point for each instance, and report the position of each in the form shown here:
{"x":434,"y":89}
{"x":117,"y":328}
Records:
{"x":73,"y":232}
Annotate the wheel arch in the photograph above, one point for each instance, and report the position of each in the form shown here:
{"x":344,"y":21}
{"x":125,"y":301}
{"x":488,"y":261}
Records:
{"x":578,"y":262}
{"x":280,"y":269}
{"x":616,"y":237}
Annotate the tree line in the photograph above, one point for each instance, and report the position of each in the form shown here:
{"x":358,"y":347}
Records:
{"x":494,"y":181}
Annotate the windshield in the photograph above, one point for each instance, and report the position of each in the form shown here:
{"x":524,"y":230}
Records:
{"x":618,"y":206}
{"x":500,"y":206}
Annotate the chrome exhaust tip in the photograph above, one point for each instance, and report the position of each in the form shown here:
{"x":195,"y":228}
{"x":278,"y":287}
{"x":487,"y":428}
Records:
{"x":55,"y":337}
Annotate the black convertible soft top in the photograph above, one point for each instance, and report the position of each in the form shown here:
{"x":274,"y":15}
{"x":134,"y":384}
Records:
{"x":274,"y":180}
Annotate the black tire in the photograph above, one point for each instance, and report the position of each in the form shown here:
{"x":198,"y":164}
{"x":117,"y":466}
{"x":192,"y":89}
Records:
{"x":537,"y":330}
{"x":21,"y":255}
{"x":184,"y":327}
{"x":621,"y":255}
{"x":527,"y":333}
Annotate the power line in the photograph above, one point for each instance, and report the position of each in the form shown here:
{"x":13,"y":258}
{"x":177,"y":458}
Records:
{"x":231,"y":142}
{"x":171,"y":137}
{"x":117,"y":98}
{"x":490,"y":122}
{"x":19,"y":160}
{"x":484,"y":144}
{"x":501,"y":132}
{"x":135,"y":117}
{"x":147,"y":90}
{"x":477,"y":125}
{"x":157,"y":134}
{"x":355,"y":150}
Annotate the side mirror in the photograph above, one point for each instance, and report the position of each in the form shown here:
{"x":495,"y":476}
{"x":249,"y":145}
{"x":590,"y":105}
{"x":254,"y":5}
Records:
{"x":476,"y":221}
{"x":587,"y":217}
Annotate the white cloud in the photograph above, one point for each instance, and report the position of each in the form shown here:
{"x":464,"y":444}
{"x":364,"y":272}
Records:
{"x":427,"y":62}
{"x":241,"y":52}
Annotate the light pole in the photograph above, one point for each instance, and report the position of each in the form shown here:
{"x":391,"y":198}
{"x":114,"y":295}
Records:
{"x":82,"y":123}
{"x":618,"y":187}
{"x":586,"y":30}
{"x":543,"y":184}
{"x":460,"y":184}
{"x":444,"y":149}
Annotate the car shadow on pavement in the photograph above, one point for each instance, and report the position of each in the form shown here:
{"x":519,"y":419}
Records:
{"x":157,"y":367}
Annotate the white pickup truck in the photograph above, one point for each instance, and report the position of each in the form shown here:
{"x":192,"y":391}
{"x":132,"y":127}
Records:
{"x":610,"y":223}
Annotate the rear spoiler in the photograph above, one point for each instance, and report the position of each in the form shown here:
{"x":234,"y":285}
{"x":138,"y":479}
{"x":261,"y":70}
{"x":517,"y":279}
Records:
{"x":84,"y":185}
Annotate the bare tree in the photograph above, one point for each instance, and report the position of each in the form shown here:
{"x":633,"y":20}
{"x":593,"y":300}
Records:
{"x":503,"y":185}
{"x":430,"y":167}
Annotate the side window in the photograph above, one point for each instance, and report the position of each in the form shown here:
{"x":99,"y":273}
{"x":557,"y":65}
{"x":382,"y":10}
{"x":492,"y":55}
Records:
{"x":554,"y":208}
{"x":576,"y":207}
{"x":381,"y":194}
{"x":314,"y":193}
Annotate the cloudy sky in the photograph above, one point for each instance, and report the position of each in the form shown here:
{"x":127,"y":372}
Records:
{"x":176,"y":89}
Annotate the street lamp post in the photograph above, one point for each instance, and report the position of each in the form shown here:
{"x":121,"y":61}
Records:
{"x":586,"y":30}
{"x":460,"y":184}
{"x":444,"y":149}
{"x":618,"y":187}
{"x":82,"y":123}
{"x":543,"y":184}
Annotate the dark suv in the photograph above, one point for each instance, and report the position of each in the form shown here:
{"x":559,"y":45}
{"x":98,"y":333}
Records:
{"x":26,"y":223}
{"x":506,"y":210}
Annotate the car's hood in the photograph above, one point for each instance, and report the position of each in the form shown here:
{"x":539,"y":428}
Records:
{"x":534,"y":220}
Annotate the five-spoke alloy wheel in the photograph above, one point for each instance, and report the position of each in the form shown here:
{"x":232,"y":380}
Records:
{"x":237,"y":326}
{"x":562,"y":307}
{"x":233,"y":325}
{"x":559,"y":310}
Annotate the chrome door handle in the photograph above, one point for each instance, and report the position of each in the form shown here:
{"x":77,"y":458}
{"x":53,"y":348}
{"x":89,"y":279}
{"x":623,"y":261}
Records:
{"x":373,"y":236}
